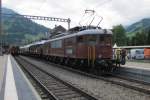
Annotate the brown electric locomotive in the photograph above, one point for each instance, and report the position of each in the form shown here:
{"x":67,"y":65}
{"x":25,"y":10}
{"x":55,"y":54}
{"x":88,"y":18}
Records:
{"x":85,"y":48}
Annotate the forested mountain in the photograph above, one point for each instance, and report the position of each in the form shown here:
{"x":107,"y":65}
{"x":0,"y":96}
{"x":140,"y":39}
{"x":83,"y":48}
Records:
{"x":20,"y":30}
{"x":142,"y":25}
{"x":135,"y":34}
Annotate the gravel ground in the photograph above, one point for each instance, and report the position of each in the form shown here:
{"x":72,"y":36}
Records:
{"x":103,"y":90}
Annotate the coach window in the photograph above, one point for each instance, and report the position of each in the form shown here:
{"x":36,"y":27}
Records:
{"x":56,"y":44}
{"x":53,"y":44}
{"x":69,"y":51}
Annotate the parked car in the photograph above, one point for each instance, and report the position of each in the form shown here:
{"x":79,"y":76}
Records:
{"x":137,"y":53}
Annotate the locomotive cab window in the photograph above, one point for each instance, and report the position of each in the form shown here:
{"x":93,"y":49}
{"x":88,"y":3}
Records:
{"x":101,"y":38}
{"x":87,"y":39}
{"x":108,"y":40}
{"x":105,"y":40}
{"x":80,"y":39}
{"x":91,"y":39}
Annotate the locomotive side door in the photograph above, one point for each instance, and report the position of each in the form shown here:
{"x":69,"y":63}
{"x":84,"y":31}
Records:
{"x":91,"y":42}
{"x":91,"y":55}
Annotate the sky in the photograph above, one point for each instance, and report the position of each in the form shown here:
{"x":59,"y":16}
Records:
{"x":113,"y":12}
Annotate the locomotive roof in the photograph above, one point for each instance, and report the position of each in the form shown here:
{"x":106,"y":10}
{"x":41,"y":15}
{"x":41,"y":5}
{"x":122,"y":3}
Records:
{"x":68,"y":35}
{"x":35,"y":43}
{"x":84,"y":32}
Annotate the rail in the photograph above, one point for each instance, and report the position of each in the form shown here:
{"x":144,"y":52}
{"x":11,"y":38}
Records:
{"x":57,"y":89}
{"x":127,"y":82}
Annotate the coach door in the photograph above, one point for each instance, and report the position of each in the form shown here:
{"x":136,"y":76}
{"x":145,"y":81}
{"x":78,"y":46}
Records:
{"x":91,"y":55}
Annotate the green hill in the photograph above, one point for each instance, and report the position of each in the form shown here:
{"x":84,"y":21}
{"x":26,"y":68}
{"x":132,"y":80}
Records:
{"x":142,"y":25}
{"x":20,"y":30}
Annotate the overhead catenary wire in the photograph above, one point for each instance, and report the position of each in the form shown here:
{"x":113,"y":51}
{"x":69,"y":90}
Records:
{"x":103,"y":3}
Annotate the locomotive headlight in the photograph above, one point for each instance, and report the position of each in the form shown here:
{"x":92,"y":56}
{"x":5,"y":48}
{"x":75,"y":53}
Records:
{"x":99,"y":56}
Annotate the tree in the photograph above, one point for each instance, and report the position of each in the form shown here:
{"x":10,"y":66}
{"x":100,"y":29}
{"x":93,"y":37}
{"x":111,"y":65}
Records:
{"x":139,"y":38}
{"x":129,"y":41}
{"x":119,"y":35}
{"x":133,"y":41}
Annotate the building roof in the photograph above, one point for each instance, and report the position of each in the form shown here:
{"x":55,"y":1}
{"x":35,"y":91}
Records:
{"x":115,"y":45}
{"x":57,"y":30}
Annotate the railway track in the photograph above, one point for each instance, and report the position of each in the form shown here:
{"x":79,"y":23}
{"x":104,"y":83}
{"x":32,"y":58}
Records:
{"x":127,"y":82}
{"x":51,"y":87}
{"x":130,"y":83}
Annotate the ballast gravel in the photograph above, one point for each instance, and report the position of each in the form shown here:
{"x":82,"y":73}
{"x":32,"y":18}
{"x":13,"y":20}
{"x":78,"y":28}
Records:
{"x":101,"y":89}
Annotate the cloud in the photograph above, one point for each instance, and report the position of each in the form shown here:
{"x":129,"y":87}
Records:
{"x":113,"y":11}
{"x":131,"y":11}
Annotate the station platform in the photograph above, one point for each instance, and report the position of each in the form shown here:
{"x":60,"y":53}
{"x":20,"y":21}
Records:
{"x":14,"y":85}
{"x":137,"y":64}
{"x":135,"y":70}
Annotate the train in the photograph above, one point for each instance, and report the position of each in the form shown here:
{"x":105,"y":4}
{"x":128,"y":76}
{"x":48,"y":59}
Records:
{"x":83,"y":48}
